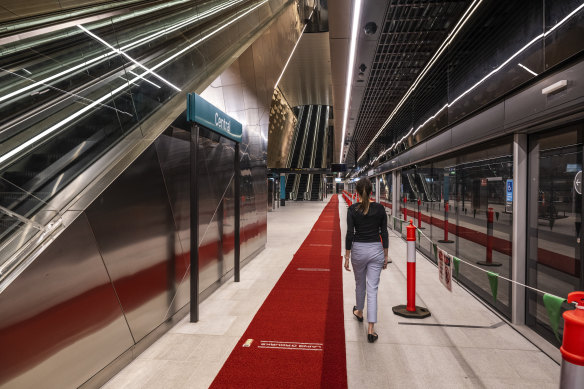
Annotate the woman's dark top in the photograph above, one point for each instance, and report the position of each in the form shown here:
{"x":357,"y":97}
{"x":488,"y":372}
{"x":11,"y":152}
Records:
{"x":366,"y":228}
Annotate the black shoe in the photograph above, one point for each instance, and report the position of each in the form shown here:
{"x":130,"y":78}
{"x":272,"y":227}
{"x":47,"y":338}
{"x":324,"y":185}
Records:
{"x":360,"y":318}
{"x":372,"y":337}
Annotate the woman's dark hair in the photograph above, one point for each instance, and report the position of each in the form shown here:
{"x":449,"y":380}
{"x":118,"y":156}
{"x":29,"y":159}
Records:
{"x":364,"y":189}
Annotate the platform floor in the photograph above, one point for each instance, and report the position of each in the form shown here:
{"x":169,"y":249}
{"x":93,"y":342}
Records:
{"x":462,"y":345}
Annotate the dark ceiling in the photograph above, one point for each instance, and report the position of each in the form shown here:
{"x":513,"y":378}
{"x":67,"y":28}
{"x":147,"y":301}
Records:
{"x":411,"y":33}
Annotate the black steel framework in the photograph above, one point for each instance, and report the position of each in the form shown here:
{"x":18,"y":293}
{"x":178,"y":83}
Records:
{"x":412,"y":32}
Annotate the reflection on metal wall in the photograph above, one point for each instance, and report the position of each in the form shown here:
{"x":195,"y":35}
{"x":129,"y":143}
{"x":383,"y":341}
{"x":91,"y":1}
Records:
{"x":113,"y":278}
{"x":281,"y":132}
{"x":62,"y":308}
{"x":216,"y":207}
{"x":133,"y":225}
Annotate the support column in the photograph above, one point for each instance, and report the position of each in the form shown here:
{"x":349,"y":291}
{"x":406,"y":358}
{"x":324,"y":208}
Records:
{"x":237,"y":174}
{"x":194,"y":255}
{"x":377,"y":189}
{"x":282,"y":189}
{"x":394,"y":193}
{"x":519,"y":255}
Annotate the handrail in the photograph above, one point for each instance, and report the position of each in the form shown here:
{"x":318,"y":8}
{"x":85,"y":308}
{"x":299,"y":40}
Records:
{"x":325,"y":138}
{"x":294,"y":140}
{"x":314,"y":148}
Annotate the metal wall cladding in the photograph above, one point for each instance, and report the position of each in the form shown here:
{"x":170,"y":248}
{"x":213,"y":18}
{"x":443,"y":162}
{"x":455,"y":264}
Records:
{"x":216,"y":208}
{"x":61,"y":321}
{"x":134,"y":228}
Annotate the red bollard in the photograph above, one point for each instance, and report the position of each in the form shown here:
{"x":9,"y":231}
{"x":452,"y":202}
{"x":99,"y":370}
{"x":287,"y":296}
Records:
{"x":489,"y":261}
{"x":420,"y":216}
{"x":572,"y":370}
{"x":446,"y":240}
{"x":405,"y":209}
{"x":411,"y":310}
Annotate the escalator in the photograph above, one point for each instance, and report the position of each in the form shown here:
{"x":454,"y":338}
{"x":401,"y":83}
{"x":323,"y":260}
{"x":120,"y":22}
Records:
{"x":302,"y":186}
{"x":290,"y":178}
{"x":315,"y":192}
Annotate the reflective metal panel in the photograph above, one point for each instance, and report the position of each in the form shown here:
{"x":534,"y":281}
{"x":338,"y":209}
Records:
{"x":174,"y":156}
{"x":61,"y":321}
{"x":216,"y":207}
{"x":134,"y":229}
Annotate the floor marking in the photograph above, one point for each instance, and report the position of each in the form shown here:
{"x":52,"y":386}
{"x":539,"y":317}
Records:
{"x":291,"y":345}
{"x":321,"y":245}
{"x":312,"y":269}
{"x":321,"y":229}
{"x":496,"y":325}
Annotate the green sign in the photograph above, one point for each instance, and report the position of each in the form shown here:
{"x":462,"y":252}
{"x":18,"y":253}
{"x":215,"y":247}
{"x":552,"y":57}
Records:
{"x":207,"y":115}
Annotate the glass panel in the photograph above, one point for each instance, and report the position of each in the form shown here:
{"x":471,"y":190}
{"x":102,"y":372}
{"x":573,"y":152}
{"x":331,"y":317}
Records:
{"x":555,"y":219}
{"x":462,"y":209}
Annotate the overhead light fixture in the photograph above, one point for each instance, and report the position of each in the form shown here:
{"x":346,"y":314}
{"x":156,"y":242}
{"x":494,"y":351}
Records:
{"x":351,"y":64}
{"x":118,"y":51}
{"x":554,"y":87}
{"x":527,"y":69}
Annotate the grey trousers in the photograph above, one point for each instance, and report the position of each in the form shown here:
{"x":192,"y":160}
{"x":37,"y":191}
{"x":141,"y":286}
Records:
{"x":367,"y":259}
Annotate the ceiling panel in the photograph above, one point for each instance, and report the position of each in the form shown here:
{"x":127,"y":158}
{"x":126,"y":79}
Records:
{"x":307,"y":80}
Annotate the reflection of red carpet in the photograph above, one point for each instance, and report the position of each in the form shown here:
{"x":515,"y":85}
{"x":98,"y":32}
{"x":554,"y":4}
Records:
{"x":298,"y":333}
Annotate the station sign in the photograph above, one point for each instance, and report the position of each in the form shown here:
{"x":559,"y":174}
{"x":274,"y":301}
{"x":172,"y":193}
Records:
{"x":202,"y":112}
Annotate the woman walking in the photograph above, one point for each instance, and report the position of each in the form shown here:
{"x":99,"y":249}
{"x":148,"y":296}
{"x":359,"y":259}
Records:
{"x":366,"y":222}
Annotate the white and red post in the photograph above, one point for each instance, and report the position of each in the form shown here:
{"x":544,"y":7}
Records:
{"x":445,"y":225}
{"x":411,"y":237}
{"x":420,"y":215}
{"x":489,"y":257}
{"x":572,"y":370}
{"x":410,"y":310}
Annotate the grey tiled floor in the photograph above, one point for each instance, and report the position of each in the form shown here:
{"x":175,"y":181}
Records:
{"x":408,"y":356}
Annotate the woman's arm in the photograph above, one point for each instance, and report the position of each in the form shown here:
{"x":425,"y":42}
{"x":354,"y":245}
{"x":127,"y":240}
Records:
{"x":349,"y":238}
{"x":384,"y":238}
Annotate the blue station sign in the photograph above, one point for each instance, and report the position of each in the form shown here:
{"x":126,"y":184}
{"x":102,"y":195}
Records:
{"x":207,"y":115}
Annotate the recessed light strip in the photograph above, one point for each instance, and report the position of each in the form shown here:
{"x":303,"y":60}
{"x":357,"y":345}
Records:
{"x":527,"y":69}
{"x":118,"y":51}
{"x":350,"y":65}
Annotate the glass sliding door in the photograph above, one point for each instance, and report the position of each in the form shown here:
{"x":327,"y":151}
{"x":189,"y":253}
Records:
{"x":554,"y":220}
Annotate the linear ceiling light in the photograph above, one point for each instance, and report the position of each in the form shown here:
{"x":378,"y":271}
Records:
{"x":527,"y":69}
{"x":292,"y":53}
{"x":350,"y":65}
{"x":127,"y":56}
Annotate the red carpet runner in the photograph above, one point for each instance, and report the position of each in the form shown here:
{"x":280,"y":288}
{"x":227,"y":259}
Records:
{"x":298,"y":333}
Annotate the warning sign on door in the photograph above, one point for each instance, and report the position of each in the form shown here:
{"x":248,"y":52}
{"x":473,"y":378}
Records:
{"x":445,"y":269}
